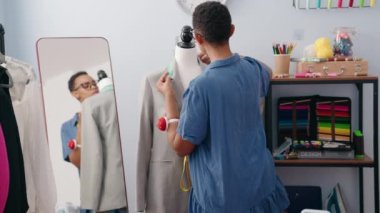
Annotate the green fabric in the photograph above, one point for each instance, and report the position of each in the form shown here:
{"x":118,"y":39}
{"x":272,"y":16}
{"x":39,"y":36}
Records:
{"x":337,"y":125}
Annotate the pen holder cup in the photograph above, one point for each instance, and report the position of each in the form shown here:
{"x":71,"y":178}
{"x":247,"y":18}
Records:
{"x":281,"y":64}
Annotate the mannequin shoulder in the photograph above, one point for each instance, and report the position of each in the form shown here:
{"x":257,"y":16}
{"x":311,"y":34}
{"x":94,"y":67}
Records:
{"x":103,"y":99}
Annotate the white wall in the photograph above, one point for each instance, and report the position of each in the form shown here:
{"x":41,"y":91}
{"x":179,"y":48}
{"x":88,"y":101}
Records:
{"x":2,"y":15}
{"x":2,"y":12}
{"x":141,"y":36}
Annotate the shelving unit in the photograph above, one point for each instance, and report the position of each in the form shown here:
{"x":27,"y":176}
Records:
{"x":366,"y":162}
{"x":332,"y":4}
{"x":360,"y":164}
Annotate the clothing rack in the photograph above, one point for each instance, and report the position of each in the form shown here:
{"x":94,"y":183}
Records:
{"x":2,"y":60}
{"x":2,"y":45}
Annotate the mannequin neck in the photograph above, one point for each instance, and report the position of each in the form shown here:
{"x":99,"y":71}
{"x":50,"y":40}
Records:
{"x":187,"y":65}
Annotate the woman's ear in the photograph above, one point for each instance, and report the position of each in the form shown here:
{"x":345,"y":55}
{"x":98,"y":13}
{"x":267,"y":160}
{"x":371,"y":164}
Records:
{"x":232,"y":30}
{"x":199,"y":38}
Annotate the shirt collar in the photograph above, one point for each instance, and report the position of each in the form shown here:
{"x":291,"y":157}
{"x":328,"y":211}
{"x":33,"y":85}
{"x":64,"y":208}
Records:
{"x":224,"y":62}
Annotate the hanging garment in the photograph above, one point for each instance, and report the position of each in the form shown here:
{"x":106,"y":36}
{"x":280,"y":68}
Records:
{"x":17,"y":200}
{"x":158,"y":166}
{"x":27,"y":103}
{"x":4,"y":171}
{"x":101,"y":169}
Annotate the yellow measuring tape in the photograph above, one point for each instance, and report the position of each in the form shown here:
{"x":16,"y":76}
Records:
{"x":185,"y":176}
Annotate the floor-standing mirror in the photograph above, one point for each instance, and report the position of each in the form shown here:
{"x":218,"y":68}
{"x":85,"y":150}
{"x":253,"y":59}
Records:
{"x":82,"y":125}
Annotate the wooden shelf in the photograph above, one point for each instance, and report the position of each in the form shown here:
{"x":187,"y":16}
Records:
{"x":366,"y":162}
{"x":325,"y":80}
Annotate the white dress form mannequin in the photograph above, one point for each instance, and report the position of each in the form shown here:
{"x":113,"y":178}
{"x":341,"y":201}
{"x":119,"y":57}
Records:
{"x":187,"y":65}
{"x":158,"y":167}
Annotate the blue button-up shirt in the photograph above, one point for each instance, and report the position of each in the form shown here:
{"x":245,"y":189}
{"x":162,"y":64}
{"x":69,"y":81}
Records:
{"x":231,"y":168}
{"x":68,"y":132}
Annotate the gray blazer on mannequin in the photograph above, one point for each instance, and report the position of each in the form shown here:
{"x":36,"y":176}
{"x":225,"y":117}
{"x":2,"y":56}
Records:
{"x":101,"y":170}
{"x":158,"y":167}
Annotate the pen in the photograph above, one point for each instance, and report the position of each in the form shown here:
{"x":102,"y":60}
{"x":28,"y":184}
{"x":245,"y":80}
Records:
{"x":292,"y":45}
{"x":274,"y":49}
{"x":319,"y":4}
{"x":340,"y":3}
{"x":278,"y":49}
{"x":329,"y":3}
{"x":307,"y":4}
{"x":351,"y":3}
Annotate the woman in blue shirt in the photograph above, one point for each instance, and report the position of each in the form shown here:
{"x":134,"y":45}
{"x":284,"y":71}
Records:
{"x":81,"y":86}
{"x":220,"y":125}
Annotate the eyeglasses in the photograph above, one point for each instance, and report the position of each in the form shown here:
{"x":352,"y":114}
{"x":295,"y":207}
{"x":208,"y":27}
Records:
{"x":87,"y":85}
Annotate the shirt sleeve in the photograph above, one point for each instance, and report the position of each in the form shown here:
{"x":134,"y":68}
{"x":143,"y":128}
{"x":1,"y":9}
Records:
{"x":264,"y":74}
{"x":92,"y":162}
{"x":264,"y":79}
{"x":65,"y":138}
{"x":193,"y":124}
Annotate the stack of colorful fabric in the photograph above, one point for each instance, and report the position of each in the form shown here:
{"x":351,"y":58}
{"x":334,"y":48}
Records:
{"x":334,"y":120}
{"x":294,"y":119}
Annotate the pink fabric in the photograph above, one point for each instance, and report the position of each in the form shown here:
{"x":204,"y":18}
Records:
{"x":327,"y":113}
{"x":290,"y":107}
{"x":4,"y":171}
{"x":336,"y":108}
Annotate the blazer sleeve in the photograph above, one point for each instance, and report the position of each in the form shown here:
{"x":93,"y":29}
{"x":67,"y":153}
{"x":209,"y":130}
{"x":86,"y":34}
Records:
{"x":41,"y":165}
{"x":91,"y":165}
{"x":145,"y":142}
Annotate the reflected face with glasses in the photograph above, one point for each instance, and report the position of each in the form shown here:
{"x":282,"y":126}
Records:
{"x":82,"y":86}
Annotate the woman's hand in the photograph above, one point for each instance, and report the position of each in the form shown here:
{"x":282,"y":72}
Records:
{"x":164,"y":84}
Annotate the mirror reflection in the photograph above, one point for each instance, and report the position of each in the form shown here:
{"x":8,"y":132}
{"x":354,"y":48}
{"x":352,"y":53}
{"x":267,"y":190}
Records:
{"x":82,"y":126}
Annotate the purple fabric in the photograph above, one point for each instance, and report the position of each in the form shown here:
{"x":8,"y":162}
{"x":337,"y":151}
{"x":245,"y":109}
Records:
{"x":4,"y":171}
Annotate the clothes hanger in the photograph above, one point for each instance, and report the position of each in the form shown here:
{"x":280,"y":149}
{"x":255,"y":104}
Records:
{"x":19,"y":71}
{"x":3,"y":70}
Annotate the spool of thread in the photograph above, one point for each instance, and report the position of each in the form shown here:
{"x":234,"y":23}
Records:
{"x":340,"y":3}
{"x":358,"y":144}
{"x":372,"y":3}
{"x":329,"y":4}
